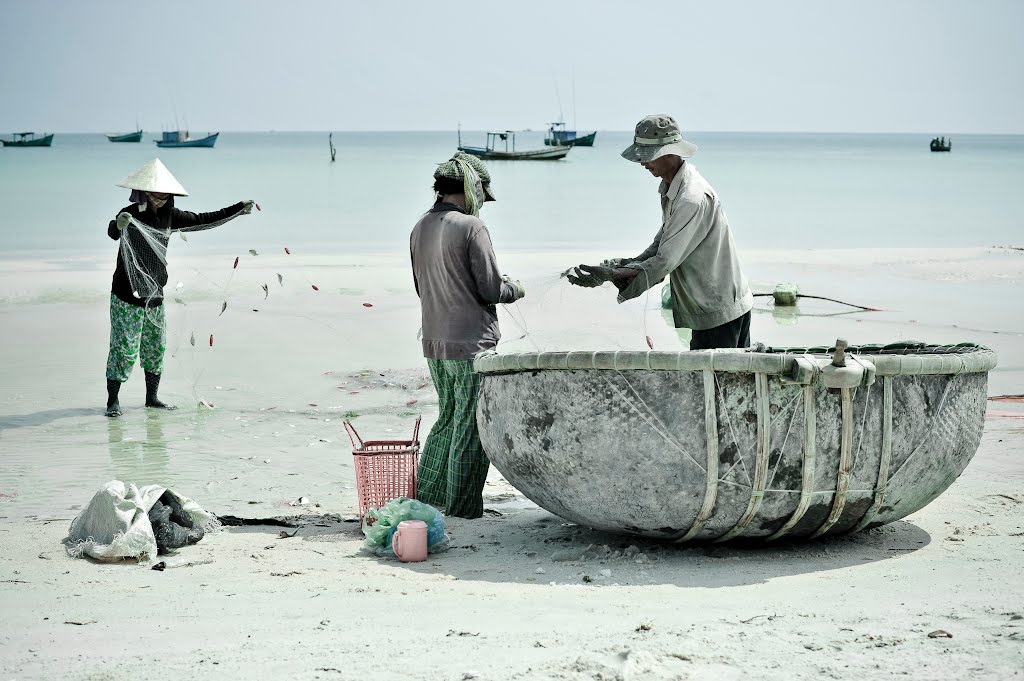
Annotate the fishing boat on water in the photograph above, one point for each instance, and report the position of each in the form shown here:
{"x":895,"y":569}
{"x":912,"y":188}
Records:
{"x":497,"y":149}
{"x":726,"y":444}
{"x":28,"y":139}
{"x":941,"y":144}
{"x":181,"y":138}
{"x":126,"y":137}
{"x":558,"y":136}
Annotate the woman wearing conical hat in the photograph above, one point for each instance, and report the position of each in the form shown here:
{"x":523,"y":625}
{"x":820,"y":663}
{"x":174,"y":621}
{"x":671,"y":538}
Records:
{"x":143,"y":229}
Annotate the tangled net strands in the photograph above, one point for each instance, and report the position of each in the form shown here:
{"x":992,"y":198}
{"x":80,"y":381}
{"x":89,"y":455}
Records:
{"x":144,"y":249}
{"x":538,"y":297}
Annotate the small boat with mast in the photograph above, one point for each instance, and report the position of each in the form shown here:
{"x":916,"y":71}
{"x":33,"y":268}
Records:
{"x":181,"y":138}
{"x":558,"y":136}
{"x":127,"y":136}
{"x":497,"y":149}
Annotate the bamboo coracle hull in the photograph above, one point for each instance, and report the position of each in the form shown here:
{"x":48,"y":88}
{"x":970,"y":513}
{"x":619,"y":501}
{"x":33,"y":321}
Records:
{"x":718,"y":445}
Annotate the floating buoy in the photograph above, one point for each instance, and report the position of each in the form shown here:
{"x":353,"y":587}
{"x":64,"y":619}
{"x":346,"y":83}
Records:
{"x":786,"y":294}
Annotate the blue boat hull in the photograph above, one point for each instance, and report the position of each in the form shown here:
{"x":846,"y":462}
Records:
{"x":569,"y":139}
{"x":207,"y":141}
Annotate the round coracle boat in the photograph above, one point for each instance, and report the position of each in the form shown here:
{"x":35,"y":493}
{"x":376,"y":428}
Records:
{"x":724,"y":444}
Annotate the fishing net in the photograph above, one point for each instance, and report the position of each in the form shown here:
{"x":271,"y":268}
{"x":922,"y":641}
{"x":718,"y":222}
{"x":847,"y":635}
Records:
{"x":144,"y":253}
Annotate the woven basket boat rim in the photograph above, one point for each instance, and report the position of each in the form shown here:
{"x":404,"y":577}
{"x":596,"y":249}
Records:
{"x":907,"y":358}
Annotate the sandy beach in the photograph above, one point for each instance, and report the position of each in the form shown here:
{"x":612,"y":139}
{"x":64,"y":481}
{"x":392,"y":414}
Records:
{"x":865,"y":155}
{"x":522,"y":594}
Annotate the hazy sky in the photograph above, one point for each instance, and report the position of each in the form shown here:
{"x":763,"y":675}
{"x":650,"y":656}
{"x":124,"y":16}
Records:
{"x":871,"y":65}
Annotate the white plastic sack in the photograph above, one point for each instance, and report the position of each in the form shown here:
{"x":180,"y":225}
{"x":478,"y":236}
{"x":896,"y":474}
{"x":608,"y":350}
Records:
{"x":115,"y":525}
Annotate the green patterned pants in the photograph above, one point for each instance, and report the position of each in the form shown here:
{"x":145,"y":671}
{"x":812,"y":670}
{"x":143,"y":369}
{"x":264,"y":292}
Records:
{"x":134,"y":331}
{"x":453,"y":465}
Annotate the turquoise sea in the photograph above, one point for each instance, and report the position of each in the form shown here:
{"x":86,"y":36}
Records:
{"x":780,"y":190}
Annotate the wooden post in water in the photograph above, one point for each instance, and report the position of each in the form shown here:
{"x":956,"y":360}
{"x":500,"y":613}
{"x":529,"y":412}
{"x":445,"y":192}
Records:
{"x":330,"y":142}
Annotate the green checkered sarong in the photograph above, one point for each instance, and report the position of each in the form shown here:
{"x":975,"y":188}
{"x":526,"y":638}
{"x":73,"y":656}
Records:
{"x":135,"y":329}
{"x":453,"y":465}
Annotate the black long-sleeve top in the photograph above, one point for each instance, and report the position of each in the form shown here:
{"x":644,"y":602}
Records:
{"x":168,"y":219}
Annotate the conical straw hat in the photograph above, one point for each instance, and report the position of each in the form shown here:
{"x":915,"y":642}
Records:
{"x":153,"y":177}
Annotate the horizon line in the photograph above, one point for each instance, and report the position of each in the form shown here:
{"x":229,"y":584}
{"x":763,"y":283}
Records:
{"x":539,"y":130}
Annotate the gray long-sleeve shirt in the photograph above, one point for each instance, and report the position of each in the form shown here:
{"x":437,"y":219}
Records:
{"x":457,"y":279}
{"x":695,"y":247}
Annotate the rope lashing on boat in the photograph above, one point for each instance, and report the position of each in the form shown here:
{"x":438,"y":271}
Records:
{"x":845,"y":462}
{"x":847,"y":458}
{"x":711,"y":478}
{"x":884,"y":459}
{"x":760,"y":477}
{"x":808,"y":464}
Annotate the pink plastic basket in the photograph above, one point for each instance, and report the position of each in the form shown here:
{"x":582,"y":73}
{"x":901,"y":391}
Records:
{"x":385,"y":469}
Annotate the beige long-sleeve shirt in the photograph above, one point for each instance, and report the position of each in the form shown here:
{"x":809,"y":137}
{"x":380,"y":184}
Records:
{"x":458,"y":281}
{"x":694,"y":247}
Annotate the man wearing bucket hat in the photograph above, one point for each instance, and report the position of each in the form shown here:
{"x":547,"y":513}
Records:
{"x":456,"y":276}
{"x":143,"y":229}
{"x":694,"y":246}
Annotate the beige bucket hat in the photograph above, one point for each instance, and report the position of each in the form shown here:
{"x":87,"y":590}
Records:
{"x":153,"y":177}
{"x":656,"y":136}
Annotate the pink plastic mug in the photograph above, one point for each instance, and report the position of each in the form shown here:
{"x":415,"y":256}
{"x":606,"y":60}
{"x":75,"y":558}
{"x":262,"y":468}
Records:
{"x":410,"y":541}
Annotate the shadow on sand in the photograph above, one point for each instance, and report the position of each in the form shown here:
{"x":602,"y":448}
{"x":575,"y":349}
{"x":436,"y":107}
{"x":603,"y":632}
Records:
{"x":517,"y":542}
{"x":512,"y":547}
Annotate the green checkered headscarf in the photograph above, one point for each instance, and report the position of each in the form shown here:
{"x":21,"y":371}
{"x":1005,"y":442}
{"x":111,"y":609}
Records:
{"x":475,"y":178}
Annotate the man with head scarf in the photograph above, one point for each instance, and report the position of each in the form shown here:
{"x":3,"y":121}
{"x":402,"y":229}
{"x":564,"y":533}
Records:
{"x":694,"y":246}
{"x":459,"y":284}
{"x":143,"y":229}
